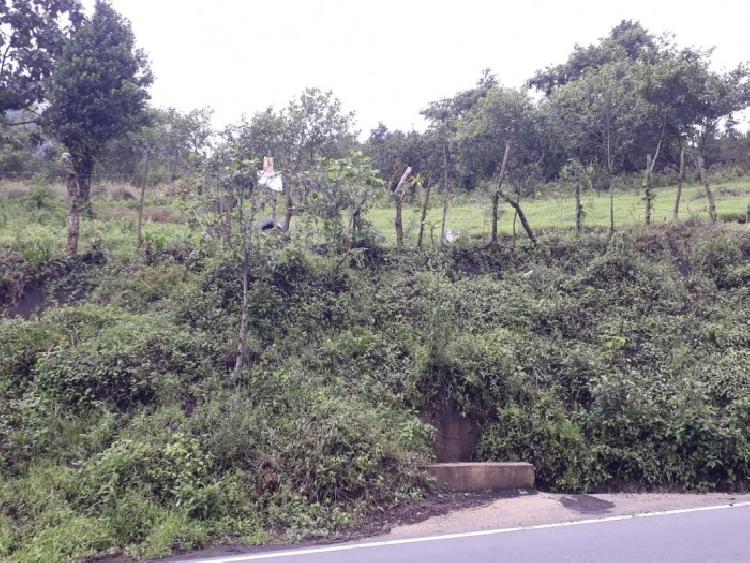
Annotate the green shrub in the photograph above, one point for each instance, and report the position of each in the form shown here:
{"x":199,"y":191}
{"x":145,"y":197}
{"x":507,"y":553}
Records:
{"x":174,"y":531}
{"x":124,"y":364}
{"x":352,"y":451}
{"x":168,"y":469}
{"x":7,"y":537}
{"x":554,"y":441}
{"x":72,"y":537}
{"x":608,"y":363}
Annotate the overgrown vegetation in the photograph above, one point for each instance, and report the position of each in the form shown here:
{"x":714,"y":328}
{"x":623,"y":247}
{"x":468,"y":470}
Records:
{"x":241,"y":355}
{"x":620,"y":364}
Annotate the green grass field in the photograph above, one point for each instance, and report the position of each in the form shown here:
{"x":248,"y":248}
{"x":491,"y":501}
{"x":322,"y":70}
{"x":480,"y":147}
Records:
{"x":469,"y":218}
{"x":37,"y":227}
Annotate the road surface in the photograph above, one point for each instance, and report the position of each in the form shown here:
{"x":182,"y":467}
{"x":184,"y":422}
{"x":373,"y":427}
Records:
{"x":701,"y":534}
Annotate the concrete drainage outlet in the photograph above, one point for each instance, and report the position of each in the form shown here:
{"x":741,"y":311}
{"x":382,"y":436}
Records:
{"x":474,"y":477}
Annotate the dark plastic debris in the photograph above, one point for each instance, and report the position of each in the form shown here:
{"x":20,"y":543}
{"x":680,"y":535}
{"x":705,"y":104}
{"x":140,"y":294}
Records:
{"x":268,"y":225}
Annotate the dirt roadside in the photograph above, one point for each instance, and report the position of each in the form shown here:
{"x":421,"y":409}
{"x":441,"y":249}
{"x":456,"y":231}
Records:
{"x":456,"y":512}
{"x":528,"y":509}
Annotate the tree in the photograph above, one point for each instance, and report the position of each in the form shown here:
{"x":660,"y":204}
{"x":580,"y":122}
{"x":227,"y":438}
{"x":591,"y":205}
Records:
{"x":345,"y":185}
{"x":311,"y":128}
{"x":721,"y":95}
{"x":398,"y":196}
{"x":97,"y":92}
{"x":503,"y":117}
{"x":600,"y":117}
{"x":633,"y":90}
{"x":673,"y":84}
{"x":317,"y":126}
{"x":627,"y":41}
{"x":184,"y":137}
{"x":32,"y":35}
{"x":240,"y":179}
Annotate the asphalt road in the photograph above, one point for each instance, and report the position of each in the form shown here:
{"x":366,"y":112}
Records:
{"x":699,"y":535}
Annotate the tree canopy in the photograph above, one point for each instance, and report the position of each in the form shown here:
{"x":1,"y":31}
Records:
{"x":32,"y":36}
{"x":98,"y":88}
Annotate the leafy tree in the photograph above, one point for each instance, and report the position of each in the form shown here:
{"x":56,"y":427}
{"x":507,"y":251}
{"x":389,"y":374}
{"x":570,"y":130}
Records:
{"x":502,"y":118}
{"x":98,"y":90}
{"x":23,"y":150}
{"x":32,"y":35}
{"x":627,"y":41}
{"x":316,"y":126}
{"x":180,"y":142}
{"x":347,"y":186}
{"x":312,"y":127}
{"x":720,"y":96}
{"x":389,"y":152}
{"x":187,"y":137}
{"x":600,"y":119}
{"x":445,"y":116}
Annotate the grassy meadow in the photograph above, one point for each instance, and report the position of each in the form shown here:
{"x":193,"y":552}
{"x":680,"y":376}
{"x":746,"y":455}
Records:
{"x":33,"y":218}
{"x":473,"y":217}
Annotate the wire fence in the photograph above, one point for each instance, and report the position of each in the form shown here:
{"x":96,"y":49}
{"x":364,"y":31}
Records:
{"x":154,"y":177}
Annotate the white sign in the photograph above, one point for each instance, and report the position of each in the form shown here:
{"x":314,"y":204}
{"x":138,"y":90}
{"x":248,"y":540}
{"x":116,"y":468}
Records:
{"x":268,"y":178}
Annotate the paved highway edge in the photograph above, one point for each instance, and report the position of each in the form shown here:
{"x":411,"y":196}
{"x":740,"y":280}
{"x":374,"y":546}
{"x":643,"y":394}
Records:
{"x":477,"y":533}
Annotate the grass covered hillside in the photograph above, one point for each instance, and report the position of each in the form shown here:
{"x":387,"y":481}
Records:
{"x":608,"y":364}
{"x":472,"y":218}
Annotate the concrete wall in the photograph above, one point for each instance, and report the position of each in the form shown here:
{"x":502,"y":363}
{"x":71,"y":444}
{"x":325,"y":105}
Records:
{"x":455,"y":437}
{"x":472,"y":477}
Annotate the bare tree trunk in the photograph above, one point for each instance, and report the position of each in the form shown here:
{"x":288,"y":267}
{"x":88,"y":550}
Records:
{"x":425,"y":204}
{"x":650,"y":165}
{"x":74,"y":214}
{"x":521,"y":217}
{"x":246,"y":231}
{"x":398,"y":223}
{"x":239,"y":361}
{"x":84,"y":168}
{"x":611,"y":205}
{"x":140,"y":202}
{"x":289,"y":209}
{"x":444,"y":190}
{"x":706,"y":185}
{"x":680,"y":182}
{"x":498,"y":193}
{"x":649,"y":189}
{"x":273,"y":207}
{"x":398,"y":194}
{"x":579,"y":207}
{"x":515,"y":218}
{"x":495,"y":216}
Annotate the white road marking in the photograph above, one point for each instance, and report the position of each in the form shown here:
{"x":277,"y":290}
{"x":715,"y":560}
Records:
{"x":478,"y":533}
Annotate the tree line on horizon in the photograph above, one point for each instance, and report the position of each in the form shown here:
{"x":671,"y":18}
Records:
{"x":632,"y":102}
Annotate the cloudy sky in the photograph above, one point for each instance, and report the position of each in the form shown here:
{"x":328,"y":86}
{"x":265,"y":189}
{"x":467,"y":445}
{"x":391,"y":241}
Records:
{"x":386,"y":59}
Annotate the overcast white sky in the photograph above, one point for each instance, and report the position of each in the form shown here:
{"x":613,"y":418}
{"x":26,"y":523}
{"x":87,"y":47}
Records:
{"x":386,"y":59}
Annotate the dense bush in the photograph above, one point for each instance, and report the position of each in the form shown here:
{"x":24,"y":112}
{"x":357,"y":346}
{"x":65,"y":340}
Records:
{"x":609,"y":364}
